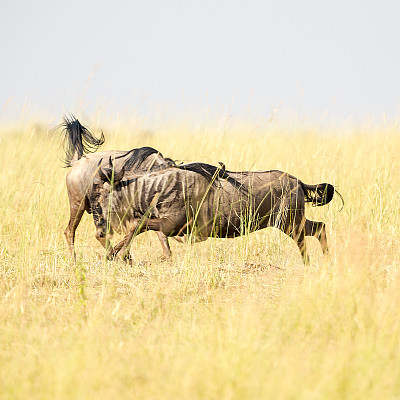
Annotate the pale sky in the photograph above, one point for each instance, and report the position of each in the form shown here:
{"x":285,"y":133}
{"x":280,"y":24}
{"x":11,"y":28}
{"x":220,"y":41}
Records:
{"x":176,"y":57}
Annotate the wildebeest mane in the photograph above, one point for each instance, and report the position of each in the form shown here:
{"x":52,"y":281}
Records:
{"x":137,"y":157}
{"x":78,"y":139}
{"x":107,"y":172}
{"x":212,"y":172}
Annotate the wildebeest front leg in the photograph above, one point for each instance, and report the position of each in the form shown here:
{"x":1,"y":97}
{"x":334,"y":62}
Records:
{"x":165,"y":245}
{"x":295,"y":228}
{"x":104,"y":240}
{"x":138,"y":227}
{"x":301,"y":243}
{"x":123,"y":245}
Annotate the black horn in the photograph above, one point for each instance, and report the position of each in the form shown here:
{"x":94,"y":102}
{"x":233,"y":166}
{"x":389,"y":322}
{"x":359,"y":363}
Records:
{"x":117,"y":175}
{"x":105,"y":174}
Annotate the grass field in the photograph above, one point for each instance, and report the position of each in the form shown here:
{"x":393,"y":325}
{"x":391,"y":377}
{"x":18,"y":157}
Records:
{"x":225,"y":319}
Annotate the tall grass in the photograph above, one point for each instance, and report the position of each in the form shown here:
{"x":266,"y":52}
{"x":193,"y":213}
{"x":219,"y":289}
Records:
{"x":225,"y":319}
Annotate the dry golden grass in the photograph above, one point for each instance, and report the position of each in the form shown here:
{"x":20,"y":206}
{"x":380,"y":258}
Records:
{"x":225,"y":319}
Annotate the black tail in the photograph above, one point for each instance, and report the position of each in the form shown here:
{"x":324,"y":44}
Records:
{"x":320,"y":194}
{"x":78,"y":140}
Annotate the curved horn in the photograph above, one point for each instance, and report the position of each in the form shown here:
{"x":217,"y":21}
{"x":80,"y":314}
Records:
{"x":119,"y":175}
{"x":104,"y":176}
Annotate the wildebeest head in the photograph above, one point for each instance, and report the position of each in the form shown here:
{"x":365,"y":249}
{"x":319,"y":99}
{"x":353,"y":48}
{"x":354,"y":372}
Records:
{"x":103,"y":183}
{"x":99,"y":216}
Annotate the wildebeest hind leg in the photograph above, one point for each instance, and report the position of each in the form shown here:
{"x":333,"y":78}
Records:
{"x":76,"y":212}
{"x":296,"y":230}
{"x":299,"y":238}
{"x":317,"y":229}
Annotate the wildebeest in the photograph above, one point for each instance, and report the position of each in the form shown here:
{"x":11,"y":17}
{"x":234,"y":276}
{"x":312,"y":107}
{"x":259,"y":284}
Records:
{"x":105,"y":230}
{"x":78,"y":142}
{"x":224,"y":205}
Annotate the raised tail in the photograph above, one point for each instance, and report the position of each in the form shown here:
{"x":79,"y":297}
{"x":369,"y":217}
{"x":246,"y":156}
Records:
{"x":318,"y":195}
{"x":78,"y":140}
